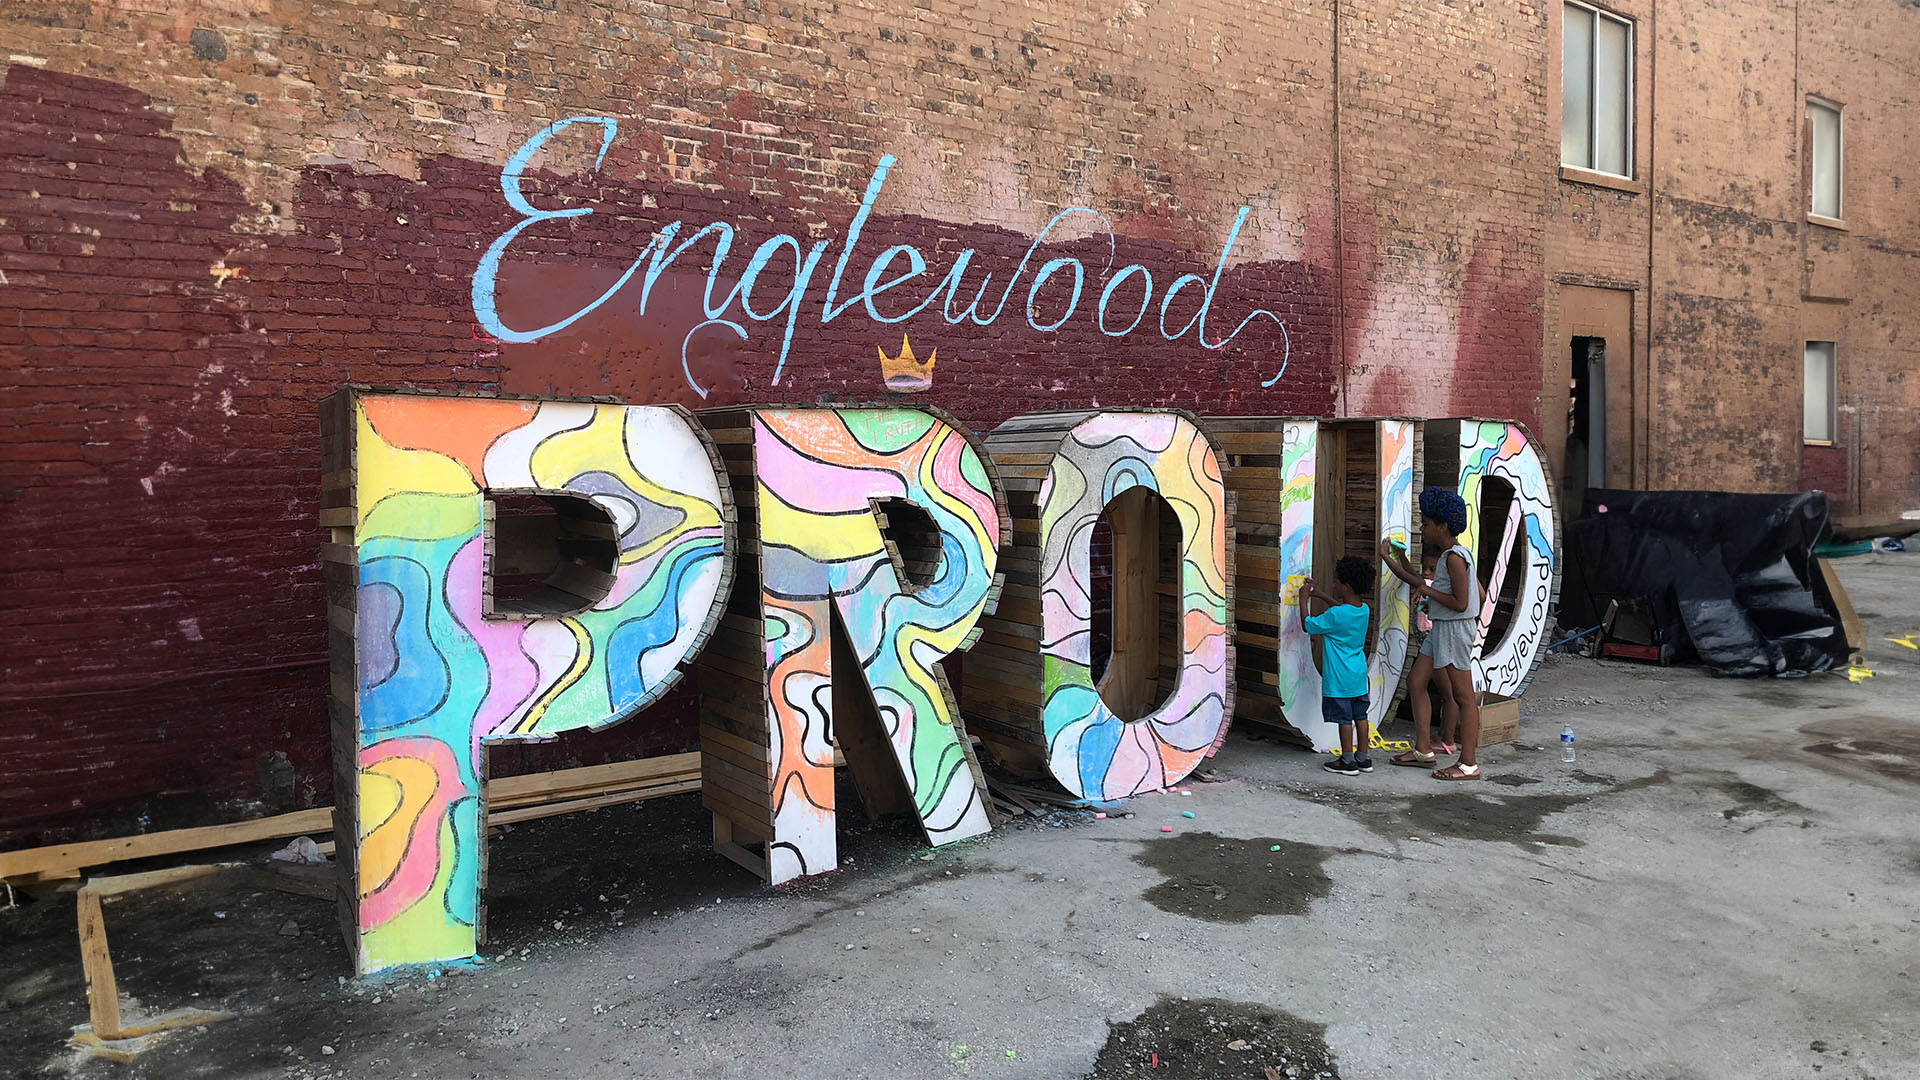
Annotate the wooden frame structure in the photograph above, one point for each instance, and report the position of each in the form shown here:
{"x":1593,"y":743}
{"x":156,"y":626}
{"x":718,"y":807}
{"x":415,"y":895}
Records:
{"x":107,"y":1025}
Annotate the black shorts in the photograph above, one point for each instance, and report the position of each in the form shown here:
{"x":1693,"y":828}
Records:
{"x":1344,"y":710}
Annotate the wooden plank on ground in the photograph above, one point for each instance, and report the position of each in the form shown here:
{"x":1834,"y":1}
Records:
{"x":506,"y":793}
{"x":100,"y":852}
{"x":1843,"y":608}
{"x":103,"y":996}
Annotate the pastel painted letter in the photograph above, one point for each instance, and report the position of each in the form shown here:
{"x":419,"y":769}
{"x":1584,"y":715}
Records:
{"x":1495,"y":448}
{"x":427,"y":668}
{"x":1064,"y":470}
{"x":841,"y":641}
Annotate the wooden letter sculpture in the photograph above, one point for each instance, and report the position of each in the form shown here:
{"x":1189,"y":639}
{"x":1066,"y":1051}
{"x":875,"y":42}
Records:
{"x":427,"y":668}
{"x":1035,"y":679}
{"x":835,"y":632}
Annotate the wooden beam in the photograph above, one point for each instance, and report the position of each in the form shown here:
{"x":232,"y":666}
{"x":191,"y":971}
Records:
{"x":726,"y":844}
{"x":152,"y":879}
{"x":597,"y":802}
{"x":103,"y":991}
{"x":511,"y":792}
{"x":103,"y":996}
{"x":1842,"y":606}
{"x":506,"y":793}
{"x":15,"y":864}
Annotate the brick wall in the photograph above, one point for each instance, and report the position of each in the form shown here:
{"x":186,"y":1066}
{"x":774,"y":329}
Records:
{"x":1728,"y":275}
{"x":209,"y":219}
{"x":1863,"y":283}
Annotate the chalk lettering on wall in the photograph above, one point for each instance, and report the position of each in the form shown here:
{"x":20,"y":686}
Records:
{"x":1116,"y":312}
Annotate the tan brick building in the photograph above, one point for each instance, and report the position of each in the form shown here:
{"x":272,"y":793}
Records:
{"x":1703,"y":262}
{"x":214,"y":213}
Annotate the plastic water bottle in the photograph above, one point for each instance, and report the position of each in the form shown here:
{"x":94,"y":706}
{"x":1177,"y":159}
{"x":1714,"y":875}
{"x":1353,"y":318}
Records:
{"x":1566,"y":743}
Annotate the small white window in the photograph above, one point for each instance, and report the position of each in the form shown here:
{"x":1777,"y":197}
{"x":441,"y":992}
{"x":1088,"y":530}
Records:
{"x":1823,"y":124}
{"x":1596,"y":90}
{"x":1819,"y":423}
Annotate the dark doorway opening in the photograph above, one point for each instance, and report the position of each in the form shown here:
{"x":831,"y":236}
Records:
{"x":1586,"y":463}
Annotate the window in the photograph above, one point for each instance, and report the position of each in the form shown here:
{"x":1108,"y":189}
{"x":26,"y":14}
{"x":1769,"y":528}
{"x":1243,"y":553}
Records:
{"x":1819,"y":425}
{"x":1823,"y":129}
{"x":1596,"y":84}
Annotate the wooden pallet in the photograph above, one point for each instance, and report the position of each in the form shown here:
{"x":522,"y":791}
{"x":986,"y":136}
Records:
{"x":736,"y":756}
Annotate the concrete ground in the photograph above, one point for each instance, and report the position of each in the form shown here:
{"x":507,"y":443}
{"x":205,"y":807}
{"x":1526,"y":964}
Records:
{"x":1724,"y":885}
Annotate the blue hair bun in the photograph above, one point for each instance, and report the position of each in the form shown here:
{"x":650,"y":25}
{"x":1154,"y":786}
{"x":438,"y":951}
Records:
{"x":1444,"y":505}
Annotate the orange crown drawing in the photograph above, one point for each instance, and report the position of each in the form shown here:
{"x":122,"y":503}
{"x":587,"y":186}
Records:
{"x":906,"y":373}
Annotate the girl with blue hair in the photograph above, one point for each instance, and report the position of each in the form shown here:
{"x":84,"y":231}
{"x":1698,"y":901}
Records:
{"x":1448,"y":651}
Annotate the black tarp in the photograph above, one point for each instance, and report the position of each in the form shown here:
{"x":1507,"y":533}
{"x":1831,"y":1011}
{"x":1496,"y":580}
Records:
{"x":1726,"y":578}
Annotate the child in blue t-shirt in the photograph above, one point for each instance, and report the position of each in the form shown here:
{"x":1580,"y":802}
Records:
{"x":1342,"y":630}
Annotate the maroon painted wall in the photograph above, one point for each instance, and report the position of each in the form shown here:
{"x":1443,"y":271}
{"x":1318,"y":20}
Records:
{"x":175,"y":298}
{"x":167,"y":665}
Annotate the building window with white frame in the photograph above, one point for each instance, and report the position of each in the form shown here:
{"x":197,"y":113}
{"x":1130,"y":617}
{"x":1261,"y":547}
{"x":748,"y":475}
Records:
{"x":1596,"y":90}
{"x":1827,"y":147}
{"x":1818,"y":392}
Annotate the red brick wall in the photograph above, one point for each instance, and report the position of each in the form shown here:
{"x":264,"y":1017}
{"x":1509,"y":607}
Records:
{"x":207,"y":222}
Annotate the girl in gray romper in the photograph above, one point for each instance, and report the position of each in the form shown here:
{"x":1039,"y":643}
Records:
{"x":1448,"y":652}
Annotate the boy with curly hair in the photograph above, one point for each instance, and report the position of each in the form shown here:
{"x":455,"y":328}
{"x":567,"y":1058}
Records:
{"x":1342,"y":630}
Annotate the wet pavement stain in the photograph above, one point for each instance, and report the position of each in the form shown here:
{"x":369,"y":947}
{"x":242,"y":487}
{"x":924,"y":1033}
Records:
{"x":1233,"y":880}
{"x":1210,"y":1039}
{"x":1468,"y":815}
{"x":1513,"y":780}
{"x":1887,"y":759}
{"x":1754,"y":801}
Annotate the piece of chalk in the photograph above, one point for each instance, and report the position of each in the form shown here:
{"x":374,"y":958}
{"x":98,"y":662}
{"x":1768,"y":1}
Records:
{"x":1186,"y":813}
{"x":1097,"y":816}
{"x":1166,"y":828}
{"x":1275,"y":847}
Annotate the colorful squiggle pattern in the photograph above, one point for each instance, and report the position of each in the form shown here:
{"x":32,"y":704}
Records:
{"x":436,"y":678}
{"x":1091,"y":751}
{"x":1493,"y":448}
{"x":822,"y":553}
{"x":1299,"y":677}
{"x":1395,"y":611}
